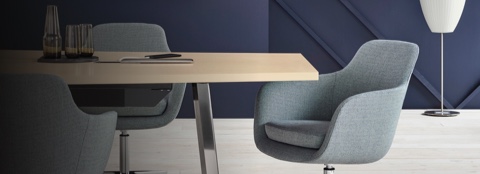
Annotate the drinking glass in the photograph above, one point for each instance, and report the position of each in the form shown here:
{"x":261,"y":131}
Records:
{"x":72,"y":41}
{"x":52,"y":40}
{"x":86,"y":40}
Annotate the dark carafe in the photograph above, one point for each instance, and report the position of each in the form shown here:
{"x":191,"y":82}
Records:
{"x":52,"y":40}
{"x":52,"y":46}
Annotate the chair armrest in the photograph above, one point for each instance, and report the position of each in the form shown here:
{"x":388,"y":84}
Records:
{"x":363,"y":127}
{"x":97,"y":142}
{"x":175,"y":98}
{"x":173,"y":102}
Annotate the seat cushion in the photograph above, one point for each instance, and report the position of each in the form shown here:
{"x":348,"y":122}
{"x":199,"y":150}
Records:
{"x":130,"y":111}
{"x":303,"y":133}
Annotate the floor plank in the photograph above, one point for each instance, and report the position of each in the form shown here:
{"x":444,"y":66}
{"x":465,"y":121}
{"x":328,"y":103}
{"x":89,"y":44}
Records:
{"x":422,"y":145}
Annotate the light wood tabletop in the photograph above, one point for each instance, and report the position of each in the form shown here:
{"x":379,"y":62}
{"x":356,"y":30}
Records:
{"x":206,"y":68}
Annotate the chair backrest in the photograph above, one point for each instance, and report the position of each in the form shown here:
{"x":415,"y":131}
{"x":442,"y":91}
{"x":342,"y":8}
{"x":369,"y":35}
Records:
{"x":378,"y":64}
{"x":138,"y":37}
{"x":134,"y":37}
{"x":43,"y":131}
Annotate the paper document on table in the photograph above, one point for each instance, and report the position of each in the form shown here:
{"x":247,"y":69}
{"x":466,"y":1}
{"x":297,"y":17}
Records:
{"x":148,"y":60}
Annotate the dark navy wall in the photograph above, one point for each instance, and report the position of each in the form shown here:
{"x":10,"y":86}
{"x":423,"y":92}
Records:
{"x":326,"y":32}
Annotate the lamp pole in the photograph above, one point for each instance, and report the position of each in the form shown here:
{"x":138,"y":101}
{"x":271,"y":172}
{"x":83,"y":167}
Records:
{"x":441,"y":112}
{"x":442,"y":16}
{"x":441,"y":73}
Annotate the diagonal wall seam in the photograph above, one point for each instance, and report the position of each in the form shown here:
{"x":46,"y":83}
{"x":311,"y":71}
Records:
{"x":311,"y":32}
{"x":469,"y":98}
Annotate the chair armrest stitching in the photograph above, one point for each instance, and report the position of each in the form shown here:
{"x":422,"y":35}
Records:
{"x":83,"y":142}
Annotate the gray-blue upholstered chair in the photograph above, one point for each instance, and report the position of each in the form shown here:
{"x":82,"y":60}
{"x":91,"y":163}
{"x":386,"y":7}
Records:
{"x":346,"y":117}
{"x":137,"y":37}
{"x":44,"y":132}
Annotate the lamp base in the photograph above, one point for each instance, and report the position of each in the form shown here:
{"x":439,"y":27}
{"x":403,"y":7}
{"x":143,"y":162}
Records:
{"x":440,"y":113}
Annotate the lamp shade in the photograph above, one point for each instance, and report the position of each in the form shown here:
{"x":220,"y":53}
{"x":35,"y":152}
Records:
{"x":442,"y":16}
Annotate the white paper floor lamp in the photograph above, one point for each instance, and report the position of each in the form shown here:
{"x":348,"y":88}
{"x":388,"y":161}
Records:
{"x":442,"y":16}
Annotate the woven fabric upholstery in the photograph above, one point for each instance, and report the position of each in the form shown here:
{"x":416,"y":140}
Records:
{"x":138,"y":37}
{"x":303,"y":133}
{"x":362,"y":102}
{"x":44,"y":132}
{"x":130,"y":37}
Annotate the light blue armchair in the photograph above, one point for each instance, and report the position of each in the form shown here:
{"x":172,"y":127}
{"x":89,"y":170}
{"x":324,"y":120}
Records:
{"x":346,"y":117}
{"x":137,"y":37}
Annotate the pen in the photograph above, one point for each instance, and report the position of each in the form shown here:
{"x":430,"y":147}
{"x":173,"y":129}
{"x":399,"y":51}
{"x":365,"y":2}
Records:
{"x":160,"y":56}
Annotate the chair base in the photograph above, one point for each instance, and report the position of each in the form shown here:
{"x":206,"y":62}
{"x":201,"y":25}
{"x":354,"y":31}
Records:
{"x":440,"y":113}
{"x":138,"y":172}
{"x":125,"y":161}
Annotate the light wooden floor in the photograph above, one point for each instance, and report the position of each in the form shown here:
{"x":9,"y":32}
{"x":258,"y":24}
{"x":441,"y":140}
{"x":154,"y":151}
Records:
{"x":422,"y":145}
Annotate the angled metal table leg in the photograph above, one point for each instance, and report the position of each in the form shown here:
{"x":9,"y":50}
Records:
{"x":206,"y":135}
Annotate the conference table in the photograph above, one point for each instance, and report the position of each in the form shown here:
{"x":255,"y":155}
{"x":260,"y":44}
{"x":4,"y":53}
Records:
{"x":206,"y":68}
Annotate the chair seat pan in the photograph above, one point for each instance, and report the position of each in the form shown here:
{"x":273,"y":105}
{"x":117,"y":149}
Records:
{"x":130,"y":111}
{"x":303,"y":133}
